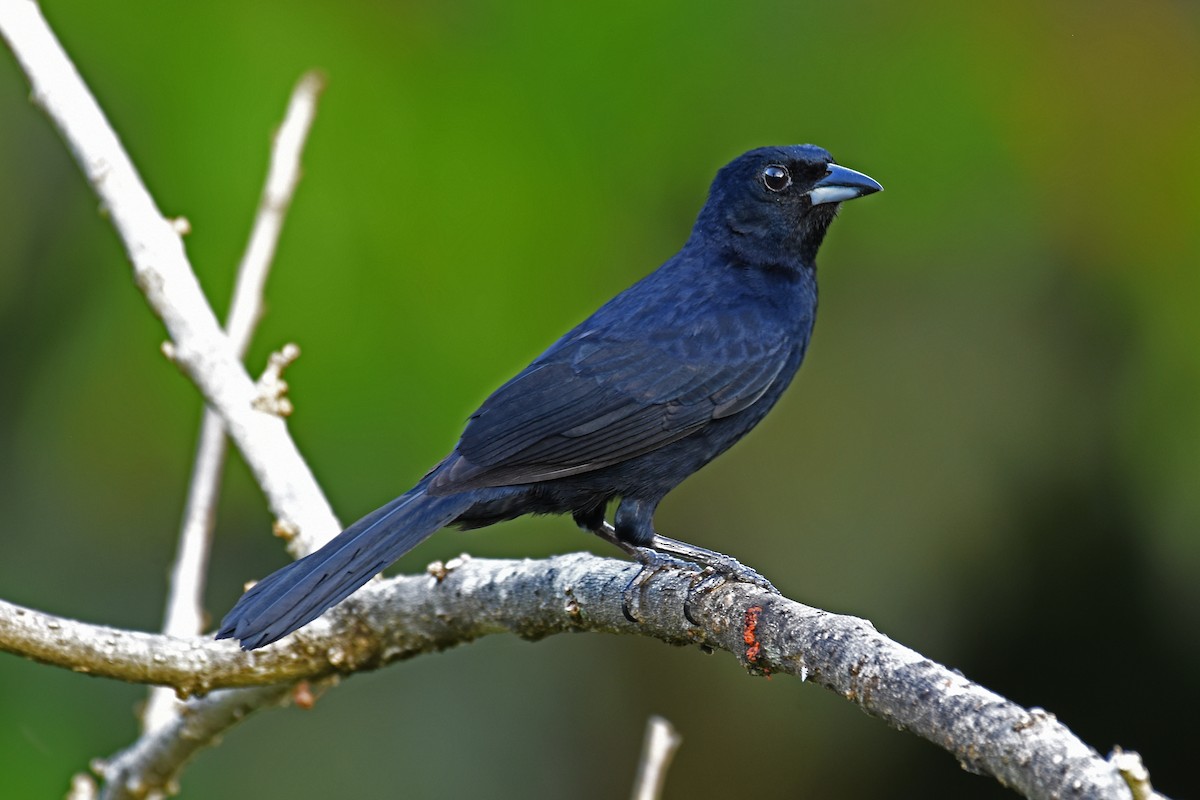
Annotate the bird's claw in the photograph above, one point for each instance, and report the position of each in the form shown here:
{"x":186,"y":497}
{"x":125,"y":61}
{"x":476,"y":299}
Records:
{"x":720,"y":570}
{"x":731,"y":569}
{"x":652,"y":562}
{"x":709,"y":579}
{"x":714,"y":576}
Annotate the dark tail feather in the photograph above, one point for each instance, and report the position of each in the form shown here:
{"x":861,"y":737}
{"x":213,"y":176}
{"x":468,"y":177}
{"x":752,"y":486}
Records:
{"x":300,"y":592}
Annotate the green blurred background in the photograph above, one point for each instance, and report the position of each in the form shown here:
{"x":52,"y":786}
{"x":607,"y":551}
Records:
{"x":993,"y":451}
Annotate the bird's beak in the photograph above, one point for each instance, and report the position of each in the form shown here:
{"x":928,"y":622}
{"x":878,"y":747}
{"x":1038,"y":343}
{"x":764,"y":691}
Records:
{"x":840,"y":184}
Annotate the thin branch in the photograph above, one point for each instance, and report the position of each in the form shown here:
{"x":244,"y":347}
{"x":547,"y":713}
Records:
{"x":1025,"y":749}
{"x":185,"y":600}
{"x":657,"y":751}
{"x":161,"y":269}
{"x":283,"y":175}
{"x":151,"y":767}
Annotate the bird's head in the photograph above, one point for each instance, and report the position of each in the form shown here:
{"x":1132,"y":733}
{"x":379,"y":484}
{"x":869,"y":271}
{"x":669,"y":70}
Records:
{"x":772,"y":206}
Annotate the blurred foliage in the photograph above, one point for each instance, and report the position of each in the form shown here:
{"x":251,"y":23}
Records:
{"x":993,"y":451}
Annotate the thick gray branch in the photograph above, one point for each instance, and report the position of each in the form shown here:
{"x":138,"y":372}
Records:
{"x":1026,"y":749}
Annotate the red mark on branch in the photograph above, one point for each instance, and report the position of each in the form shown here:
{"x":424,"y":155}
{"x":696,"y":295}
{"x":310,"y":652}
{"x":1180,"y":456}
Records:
{"x":750,"y":633}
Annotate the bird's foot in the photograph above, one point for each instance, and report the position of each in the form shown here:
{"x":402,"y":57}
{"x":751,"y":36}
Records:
{"x":726,"y":568}
{"x":718,"y":569}
{"x":715,"y":569}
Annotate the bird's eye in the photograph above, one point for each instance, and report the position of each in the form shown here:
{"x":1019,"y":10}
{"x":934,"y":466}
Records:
{"x":776,"y":177}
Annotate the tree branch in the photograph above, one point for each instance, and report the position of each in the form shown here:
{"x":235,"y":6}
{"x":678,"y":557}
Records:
{"x":161,"y":269}
{"x":199,"y":347}
{"x":152,"y":765}
{"x":185,"y":600}
{"x":1025,"y":749}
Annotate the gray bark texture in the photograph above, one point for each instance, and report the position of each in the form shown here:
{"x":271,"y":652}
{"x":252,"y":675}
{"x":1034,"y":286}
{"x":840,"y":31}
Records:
{"x":1025,"y":749}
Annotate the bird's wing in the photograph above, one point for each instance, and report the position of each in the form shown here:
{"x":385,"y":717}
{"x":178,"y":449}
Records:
{"x":589,"y":404}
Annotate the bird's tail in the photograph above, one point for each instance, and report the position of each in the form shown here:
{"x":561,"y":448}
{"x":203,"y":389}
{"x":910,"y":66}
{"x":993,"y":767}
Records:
{"x":300,"y":592}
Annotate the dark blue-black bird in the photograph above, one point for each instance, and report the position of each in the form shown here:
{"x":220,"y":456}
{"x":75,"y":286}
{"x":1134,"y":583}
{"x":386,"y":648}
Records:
{"x":662,"y":379}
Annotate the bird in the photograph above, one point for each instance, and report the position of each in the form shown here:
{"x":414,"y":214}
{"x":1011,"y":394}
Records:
{"x":655,"y":384}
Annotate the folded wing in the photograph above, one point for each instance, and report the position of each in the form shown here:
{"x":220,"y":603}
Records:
{"x":590,"y":403}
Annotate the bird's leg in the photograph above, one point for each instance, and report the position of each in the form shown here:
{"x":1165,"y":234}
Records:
{"x":651,"y":560}
{"x":592,"y":520}
{"x":634,"y":528}
{"x":634,"y":533}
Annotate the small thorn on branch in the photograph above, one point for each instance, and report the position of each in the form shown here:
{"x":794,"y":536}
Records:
{"x":440,"y":570}
{"x":285,"y":529}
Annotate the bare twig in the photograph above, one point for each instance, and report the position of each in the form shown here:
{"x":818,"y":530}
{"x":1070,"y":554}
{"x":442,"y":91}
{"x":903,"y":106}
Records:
{"x":185,"y":600}
{"x":657,"y":751}
{"x":151,"y":767}
{"x":283,"y":175}
{"x":162,"y":271}
{"x":1026,"y":749}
